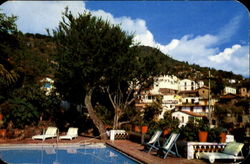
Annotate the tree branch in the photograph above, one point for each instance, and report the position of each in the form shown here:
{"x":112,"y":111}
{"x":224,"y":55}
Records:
{"x":110,"y":98}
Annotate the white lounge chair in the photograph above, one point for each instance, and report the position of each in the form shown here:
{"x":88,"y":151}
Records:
{"x":231,"y":151}
{"x":169,"y":144}
{"x":72,"y":133}
{"x":51,"y":132}
{"x":151,"y":144}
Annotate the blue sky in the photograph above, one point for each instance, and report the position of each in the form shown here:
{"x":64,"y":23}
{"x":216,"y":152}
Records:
{"x":211,"y":33}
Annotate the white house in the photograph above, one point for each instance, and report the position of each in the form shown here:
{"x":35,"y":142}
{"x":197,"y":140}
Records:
{"x":190,"y":85}
{"x":228,"y":90}
{"x":169,"y":82}
{"x":185,"y":116}
{"x":165,"y":86}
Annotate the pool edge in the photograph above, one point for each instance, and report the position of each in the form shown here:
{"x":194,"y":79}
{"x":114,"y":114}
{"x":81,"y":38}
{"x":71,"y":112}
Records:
{"x":129,"y":155}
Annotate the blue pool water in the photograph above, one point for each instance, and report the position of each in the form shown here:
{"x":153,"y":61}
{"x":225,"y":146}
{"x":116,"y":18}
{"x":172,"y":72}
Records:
{"x":100,"y":154}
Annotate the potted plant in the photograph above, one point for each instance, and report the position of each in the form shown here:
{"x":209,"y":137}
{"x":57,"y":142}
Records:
{"x":144,"y":127}
{"x":203,"y":127}
{"x":2,"y":131}
{"x":137,"y":126}
{"x":223,"y":134}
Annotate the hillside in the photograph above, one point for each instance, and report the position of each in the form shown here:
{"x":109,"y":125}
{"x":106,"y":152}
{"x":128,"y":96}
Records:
{"x":43,"y":45}
{"x":185,"y":70}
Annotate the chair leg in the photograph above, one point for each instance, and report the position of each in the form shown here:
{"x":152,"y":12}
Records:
{"x":176,"y":149}
{"x":150,"y":149}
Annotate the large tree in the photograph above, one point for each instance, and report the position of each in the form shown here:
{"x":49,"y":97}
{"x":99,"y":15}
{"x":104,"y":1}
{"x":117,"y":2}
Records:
{"x":87,"y":48}
{"x":95,"y":55}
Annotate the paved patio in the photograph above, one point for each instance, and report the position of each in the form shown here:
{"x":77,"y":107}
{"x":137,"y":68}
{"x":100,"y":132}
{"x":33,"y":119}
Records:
{"x":135,"y":150}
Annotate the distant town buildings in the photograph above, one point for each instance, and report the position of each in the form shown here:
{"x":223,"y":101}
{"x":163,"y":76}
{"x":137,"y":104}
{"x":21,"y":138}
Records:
{"x":186,"y":97}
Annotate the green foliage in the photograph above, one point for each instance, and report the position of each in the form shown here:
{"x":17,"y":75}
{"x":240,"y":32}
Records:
{"x":217,"y":86}
{"x":8,"y":41}
{"x":152,"y":111}
{"x":203,"y":124}
{"x":89,"y":48}
{"x":20,"y":112}
{"x":26,"y":104}
{"x":7,"y":24}
{"x":169,"y":122}
{"x":243,"y":105}
{"x":190,"y":131}
{"x":221,"y":111}
{"x":24,"y":61}
{"x":214,"y":134}
{"x":105,"y":114}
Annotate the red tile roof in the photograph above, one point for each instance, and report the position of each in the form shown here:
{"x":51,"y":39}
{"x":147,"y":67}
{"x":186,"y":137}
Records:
{"x":193,"y":114}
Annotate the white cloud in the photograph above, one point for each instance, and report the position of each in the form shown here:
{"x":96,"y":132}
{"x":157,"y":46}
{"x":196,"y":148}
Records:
{"x":36,"y":16}
{"x":225,"y":55}
{"x":238,"y":63}
{"x":136,"y":26}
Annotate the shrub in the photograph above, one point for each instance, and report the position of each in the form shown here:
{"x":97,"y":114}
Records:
{"x":189,"y":132}
{"x":20,"y":112}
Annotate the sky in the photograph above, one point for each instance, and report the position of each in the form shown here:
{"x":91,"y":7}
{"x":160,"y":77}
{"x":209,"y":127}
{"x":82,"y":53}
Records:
{"x":211,"y":34}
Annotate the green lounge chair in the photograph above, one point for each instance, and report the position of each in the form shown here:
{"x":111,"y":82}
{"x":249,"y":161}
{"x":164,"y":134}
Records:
{"x":153,"y":143}
{"x":169,"y":145}
{"x":233,"y":150}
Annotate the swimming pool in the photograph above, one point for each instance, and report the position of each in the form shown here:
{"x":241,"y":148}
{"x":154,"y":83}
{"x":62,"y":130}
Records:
{"x":73,"y":154}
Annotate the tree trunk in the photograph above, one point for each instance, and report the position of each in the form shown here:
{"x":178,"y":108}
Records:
{"x":118,"y":114}
{"x":98,"y":122}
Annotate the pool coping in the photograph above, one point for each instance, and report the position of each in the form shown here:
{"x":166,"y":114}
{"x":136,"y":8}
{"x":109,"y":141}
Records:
{"x":129,"y":155}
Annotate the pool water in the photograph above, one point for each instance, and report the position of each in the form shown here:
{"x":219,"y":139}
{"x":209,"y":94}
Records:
{"x":96,"y":154}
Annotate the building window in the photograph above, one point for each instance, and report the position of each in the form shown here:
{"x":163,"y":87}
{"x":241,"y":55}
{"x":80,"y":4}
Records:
{"x":203,"y":109}
{"x":213,"y":122}
{"x":186,"y":100}
{"x":192,"y":101}
{"x":182,"y":119}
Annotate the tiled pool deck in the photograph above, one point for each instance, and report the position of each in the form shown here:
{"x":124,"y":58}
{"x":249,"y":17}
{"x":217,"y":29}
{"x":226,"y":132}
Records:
{"x":131,"y":148}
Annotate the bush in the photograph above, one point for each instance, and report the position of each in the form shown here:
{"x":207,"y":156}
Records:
{"x":189,"y":132}
{"x":214,"y":135}
{"x":20,"y":112}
